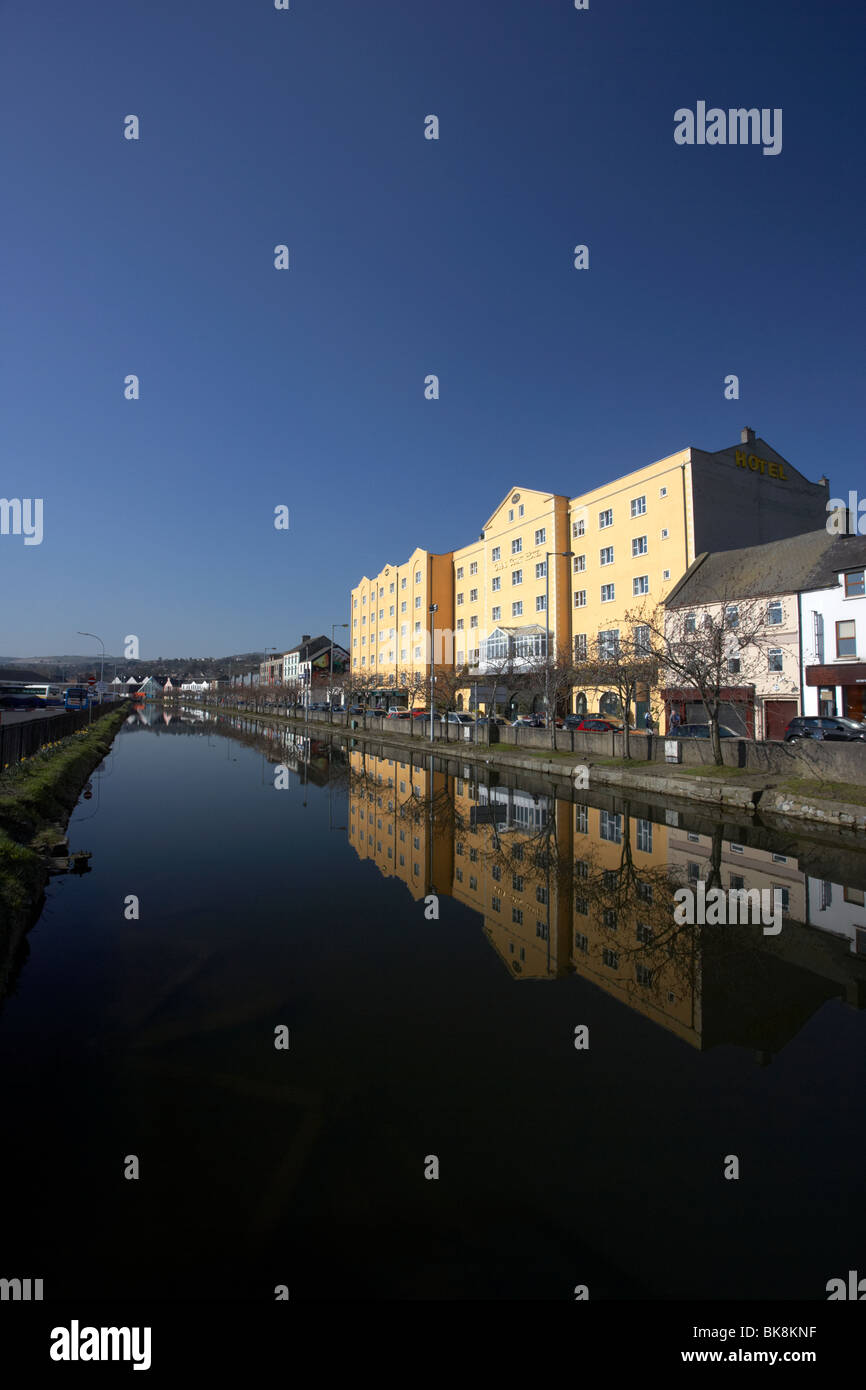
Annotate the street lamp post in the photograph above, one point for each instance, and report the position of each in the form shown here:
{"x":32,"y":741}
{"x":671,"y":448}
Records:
{"x":432,"y":610}
{"x":566,"y":555}
{"x":101,"y":660}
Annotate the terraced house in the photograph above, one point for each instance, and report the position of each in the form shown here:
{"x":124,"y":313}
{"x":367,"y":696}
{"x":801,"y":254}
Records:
{"x":549,"y":571}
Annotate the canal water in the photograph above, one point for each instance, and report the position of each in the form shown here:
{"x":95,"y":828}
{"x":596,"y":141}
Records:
{"x":435,"y":942}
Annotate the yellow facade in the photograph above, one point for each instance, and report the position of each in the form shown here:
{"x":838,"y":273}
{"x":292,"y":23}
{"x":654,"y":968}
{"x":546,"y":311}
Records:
{"x":633,"y":540}
{"x":500,"y":581}
{"x":390,"y":621}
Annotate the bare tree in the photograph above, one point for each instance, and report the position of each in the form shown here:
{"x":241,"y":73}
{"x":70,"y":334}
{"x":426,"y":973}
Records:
{"x":702,"y":647}
{"x":553,"y":675}
{"x":621,"y":664}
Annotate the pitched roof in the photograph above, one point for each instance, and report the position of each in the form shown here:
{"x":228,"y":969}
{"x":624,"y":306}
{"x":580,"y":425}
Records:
{"x":799,"y":563}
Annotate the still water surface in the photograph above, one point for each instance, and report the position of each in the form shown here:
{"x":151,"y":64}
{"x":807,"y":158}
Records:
{"x":412,"y":1037}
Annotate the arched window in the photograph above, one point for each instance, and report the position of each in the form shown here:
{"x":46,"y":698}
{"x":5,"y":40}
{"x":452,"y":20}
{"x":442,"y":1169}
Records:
{"x":609,"y":703}
{"x":580,"y":703}
{"x":459,"y":702}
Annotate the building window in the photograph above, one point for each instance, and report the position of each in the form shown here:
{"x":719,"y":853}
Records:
{"x":520,"y":510}
{"x":643,"y":974}
{"x":642,"y":644}
{"x":403,"y":582}
{"x":784,"y":895}
{"x":644,"y":933}
{"x":640,"y":585}
{"x":610,"y":827}
{"x":417,"y":600}
{"x":417,"y":576}
{"x":473,"y":568}
{"x":610,"y":958}
{"x":516,"y":546}
{"x":496,"y":584}
{"x":496,"y":614}
{"x":579,"y":564}
{"x":460,"y":598}
{"x":666,"y":574}
{"x":580,"y":646}
{"x":608,"y":593}
{"x":605,"y":518}
{"x":517,"y":610}
{"x":581,"y":906}
{"x":774,"y":659}
{"x":733,"y":665}
{"x":732,"y":615}
{"x":639,"y":546}
{"x":846,"y":640}
{"x":638,"y":506}
{"x":605,"y":555}
{"x":665,"y":533}
{"x":517,"y":576}
{"x":541,"y":603}
{"x":417,"y":653}
{"x":663,"y":492}
{"x":855,"y":587}
{"x":774,"y":613}
{"x":541,"y":894}
{"x":496,"y":904}
{"x":459,"y":572}
{"x":608,"y":919}
{"x":418,"y":625}
{"x":581,"y":943}
{"x":541,"y":570}
{"x":645,"y":836}
{"x":473,"y":621}
{"x":580,"y":598}
{"x":510,"y":513}
{"x":496,"y":873}
{"x":541,"y":536}
{"x":578,"y":528}
{"x":608,"y":644}
{"x":402,"y":608}
{"x":473,"y":595}
{"x":495,"y":553}
{"x":517,"y":915}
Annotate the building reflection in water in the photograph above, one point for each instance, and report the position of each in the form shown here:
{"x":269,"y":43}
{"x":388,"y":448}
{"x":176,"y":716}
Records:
{"x":569,"y":888}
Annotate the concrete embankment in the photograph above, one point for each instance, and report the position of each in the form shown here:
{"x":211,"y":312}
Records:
{"x":782,"y":791}
{"x":37,"y":797}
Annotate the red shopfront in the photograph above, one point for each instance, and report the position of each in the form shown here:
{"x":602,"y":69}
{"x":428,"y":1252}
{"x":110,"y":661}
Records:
{"x":841,"y":688}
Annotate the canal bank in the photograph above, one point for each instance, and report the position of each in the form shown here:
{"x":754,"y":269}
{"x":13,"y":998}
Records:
{"x":832,"y":804}
{"x":37,"y":797}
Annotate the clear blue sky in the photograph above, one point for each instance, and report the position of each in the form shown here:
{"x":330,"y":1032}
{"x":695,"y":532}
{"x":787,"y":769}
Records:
{"x":408,"y":256}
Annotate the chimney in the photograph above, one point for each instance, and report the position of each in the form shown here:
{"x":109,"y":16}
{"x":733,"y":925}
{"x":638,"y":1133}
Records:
{"x":747,"y":435}
{"x":305,"y":638}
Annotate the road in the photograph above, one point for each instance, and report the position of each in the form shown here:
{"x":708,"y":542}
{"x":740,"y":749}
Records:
{"x":22,"y":716}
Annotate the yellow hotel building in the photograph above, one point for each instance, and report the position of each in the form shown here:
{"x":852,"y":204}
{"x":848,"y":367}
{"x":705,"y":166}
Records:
{"x":547,"y":569}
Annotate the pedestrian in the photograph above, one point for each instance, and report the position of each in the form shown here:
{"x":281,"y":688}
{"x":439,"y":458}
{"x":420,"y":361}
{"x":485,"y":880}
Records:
{"x":675,"y":720}
{"x":648,"y":721}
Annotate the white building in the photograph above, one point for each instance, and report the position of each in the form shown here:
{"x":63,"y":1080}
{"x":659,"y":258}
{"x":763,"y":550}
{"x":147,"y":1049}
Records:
{"x":834,"y":633}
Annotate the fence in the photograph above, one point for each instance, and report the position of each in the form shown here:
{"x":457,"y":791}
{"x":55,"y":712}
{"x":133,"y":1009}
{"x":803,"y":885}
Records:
{"x":26,"y":736}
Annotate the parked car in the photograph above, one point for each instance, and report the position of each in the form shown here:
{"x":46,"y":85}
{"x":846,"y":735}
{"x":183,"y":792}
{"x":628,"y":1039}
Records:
{"x":456,"y":717}
{"x":701,"y":731}
{"x":377,"y":713}
{"x":528,"y":721}
{"x":612,"y":719}
{"x":495,"y":719}
{"x":398,"y":714}
{"x":592,"y":724}
{"x":423,"y":714}
{"x":838,"y":729}
{"x":356,"y":709}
